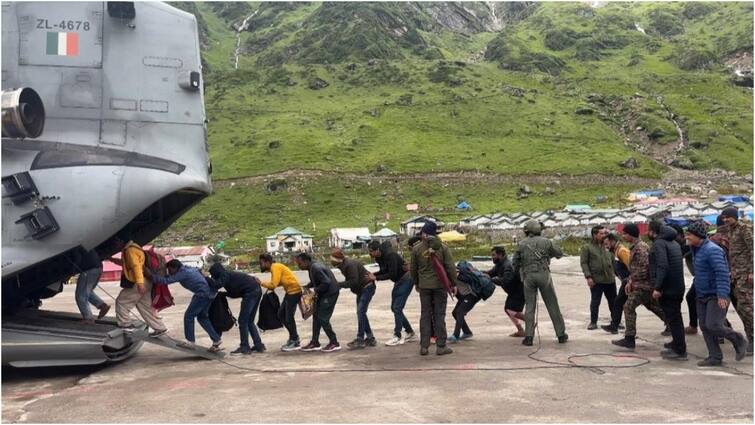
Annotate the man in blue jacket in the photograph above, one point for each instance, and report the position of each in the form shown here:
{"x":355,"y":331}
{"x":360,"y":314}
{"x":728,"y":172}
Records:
{"x":712,"y":289}
{"x":193,"y":280}
{"x":246,"y":287}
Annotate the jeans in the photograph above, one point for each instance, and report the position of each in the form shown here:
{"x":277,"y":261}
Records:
{"x":596,"y":292}
{"x":618,"y":305}
{"x":432,"y":316}
{"x":250,"y":302}
{"x":363,"y":302}
{"x":321,"y":318}
{"x":691,"y":298}
{"x":198,"y":308}
{"x":672,"y":311}
{"x":286,"y":314}
{"x":711,"y":317}
{"x":85,"y":295}
{"x":464,"y":305}
{"x":401,"y":291}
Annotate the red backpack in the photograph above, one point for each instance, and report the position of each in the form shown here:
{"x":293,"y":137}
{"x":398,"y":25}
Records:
{"x":161,"y":296}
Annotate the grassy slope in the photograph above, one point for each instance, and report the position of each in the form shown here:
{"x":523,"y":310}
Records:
{"x":475,"y":125}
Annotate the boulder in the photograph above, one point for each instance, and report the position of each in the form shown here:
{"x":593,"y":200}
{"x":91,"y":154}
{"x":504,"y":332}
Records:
{"x":584,"y":110}
{"x":275,"y":144}
{"x":318,"y":84}
{"x":276,"y":185}
{"x":630,"y":163}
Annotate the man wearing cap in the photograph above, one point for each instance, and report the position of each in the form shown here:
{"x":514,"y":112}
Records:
{"x":432,"y":293}
{"x":639,"y":289}
{"x":532,"y":258}
{"x":712,"y":288}
{"x":740,"y":262}
{"x":359,"y":281}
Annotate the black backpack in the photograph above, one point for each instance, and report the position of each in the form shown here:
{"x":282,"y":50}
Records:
{"x":268,"y":318}
{"x":220,"y":314}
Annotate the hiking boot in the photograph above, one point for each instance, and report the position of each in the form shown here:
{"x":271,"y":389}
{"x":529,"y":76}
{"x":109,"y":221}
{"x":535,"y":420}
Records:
{"x":312,"y":346}
{"x":442,"y":351}
{"x":331,"y":347}
{"x":527,"y":341}
{"x":356,"y":344}
{"x":673,"y":355}
{"x":690,"y":330}
{"x":453,"y":339}
{"x":215,"y":347}
{"x":626,"y":342}
{"x":260,"y":349}
{"x":396,"y":340}
{"x":610,"y":329}
{"x":370,"y":342}
{"x":241,"y":351}
{"x":157,"y":333}
{"x":741,"y":349}
{"x":592,"y":326}
{"x":423,"y":351}
{"x":709,"y":362}
{"x":291,"y":346}
{"x":563,"y":338}
{"x":410,"y":336}
{"x":467,"y":336}
{"x":103,"y":311}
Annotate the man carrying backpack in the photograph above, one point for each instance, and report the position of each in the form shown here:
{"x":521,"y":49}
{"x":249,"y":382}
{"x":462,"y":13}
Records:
{"x":326,"y":286}
{"x":282,"y":275}
{"x":504,"y":275}
{"x":465,"y":302}
{"x":193,"y":280}
{"x":392,"y":267}
{"x":137,"y":290}
{"x":360,"y":282}
{"x":246,"y":287}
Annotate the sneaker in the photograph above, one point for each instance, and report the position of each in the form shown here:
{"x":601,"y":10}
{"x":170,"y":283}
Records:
{"x":241,"y":351}
{"x":291,"y":346}
{"x":396,"y":340}
{"x":626,"y":342}
{"x":527,"y":341}
{"x":467,"y":336}
{"x":332,"y":346}
{"x":356,"y":344}
{"x":741,"y":349}
{"x":312,"y":346}
{"x":410,"y":336}
{"x":563,"y":338}
{"x":610,"y":329}
{"x":690,"y":330}
{"x":215,"y":347}
{"x":423,"y":351}
{"x":453,"y":339}
{"x":103,"y":311}
{"x":709,"y":362}
{"x":157,"y":333}
{"x":370,"y":342}
{"x":433,"y":340}
{"x":442,"y":351}
{"x":592,"y":326}
{"x":673,"y":355}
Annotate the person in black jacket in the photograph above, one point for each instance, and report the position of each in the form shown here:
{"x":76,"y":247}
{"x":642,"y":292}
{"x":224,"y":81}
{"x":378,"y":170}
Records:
{"x":667,"y":277}
{"x":246,"y":287}
{"x":393,"y":267}
{"x":326,"y":287}
{"x":361,"y":284}
{"x":503,"y":275}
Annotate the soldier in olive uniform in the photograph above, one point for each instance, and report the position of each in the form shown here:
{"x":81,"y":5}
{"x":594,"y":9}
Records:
{"x":740,"y":262}
{"x":532,"y":259}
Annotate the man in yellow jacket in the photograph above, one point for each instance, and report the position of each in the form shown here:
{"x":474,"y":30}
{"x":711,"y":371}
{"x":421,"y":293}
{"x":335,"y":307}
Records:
{"x":282,"y":275}
{"x":137,"y":290}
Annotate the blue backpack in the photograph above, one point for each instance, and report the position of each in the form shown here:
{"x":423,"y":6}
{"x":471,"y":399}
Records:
{"x":480,"y":283}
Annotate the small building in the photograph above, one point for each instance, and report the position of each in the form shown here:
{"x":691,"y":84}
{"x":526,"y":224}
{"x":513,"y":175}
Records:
{"x":193,"y":256}
{"x":349,"y":237}
{"x":386,"y":234}
{"x":577,"y":208}
{"x":288,"y":240}
{"x":412,"y":226}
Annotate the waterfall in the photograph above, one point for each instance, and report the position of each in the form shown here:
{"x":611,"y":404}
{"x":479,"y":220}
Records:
{"x":242,"y":27}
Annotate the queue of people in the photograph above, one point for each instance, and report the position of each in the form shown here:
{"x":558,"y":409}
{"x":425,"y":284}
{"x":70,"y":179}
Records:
{"x":650,"y":275}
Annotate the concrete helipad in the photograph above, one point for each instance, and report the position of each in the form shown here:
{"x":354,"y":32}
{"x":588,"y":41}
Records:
{"x":492,"y":378}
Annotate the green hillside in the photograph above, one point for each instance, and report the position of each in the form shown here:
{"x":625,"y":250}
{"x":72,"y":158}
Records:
{"x":515,"y":89}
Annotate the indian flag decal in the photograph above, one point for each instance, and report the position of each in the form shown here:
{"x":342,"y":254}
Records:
{"x":63,"y":43}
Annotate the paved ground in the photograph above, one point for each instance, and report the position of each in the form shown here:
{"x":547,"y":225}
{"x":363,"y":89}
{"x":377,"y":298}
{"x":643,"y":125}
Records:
{"x":488,"y":379}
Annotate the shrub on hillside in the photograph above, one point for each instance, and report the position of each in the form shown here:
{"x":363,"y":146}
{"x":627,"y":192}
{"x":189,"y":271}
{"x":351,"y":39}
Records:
{"x":560,"y":39}
{"x":692,"y":10}
{"x":693,"y":58}
{"x":588,"y":49}
{"x":665,"y":23}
